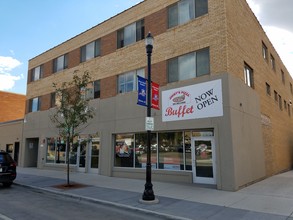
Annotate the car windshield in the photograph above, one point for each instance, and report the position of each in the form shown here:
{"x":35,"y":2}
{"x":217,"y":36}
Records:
{"x":5,"y":158}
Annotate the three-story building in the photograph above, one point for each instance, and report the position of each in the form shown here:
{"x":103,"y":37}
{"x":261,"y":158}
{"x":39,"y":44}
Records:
{"x":225,"y":96}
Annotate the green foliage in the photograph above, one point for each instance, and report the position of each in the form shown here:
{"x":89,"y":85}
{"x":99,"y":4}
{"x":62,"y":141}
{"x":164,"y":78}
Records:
{"x":72,"y":110}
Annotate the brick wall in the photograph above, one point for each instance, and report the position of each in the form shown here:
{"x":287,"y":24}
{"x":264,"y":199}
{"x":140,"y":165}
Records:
{"x":12,"y":106}
{"x":108,"y":87}
{"x":109,"y":44}
{"x":245,"y":37}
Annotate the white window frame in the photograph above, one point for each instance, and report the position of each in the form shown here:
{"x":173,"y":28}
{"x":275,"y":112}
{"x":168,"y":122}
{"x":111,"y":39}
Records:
{"x":248,"y":76}
{"x":127,"y":78}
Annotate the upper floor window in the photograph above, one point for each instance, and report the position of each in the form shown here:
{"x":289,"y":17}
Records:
{"x":127,"y":82}
{"x":268,"y":88}
{"x":97,"y":89}
{"x":92,"y":90}
{"x":283,"y":76}
{"x":60,"y":63}
{"x":53,"y":100}
{"x":37,"y":73}
{"x":276,"y":95}
{"x":189,"y":66}
{"x":248,"y":76}
{"x":291,"y":88}
{"x":130,"y":34}
{"x":280,"y":102}
{"x":186,"y":10}
{"x":34,"y":104}
{"x":264,"y":51}
{"x":273,"y":63}
{"x":90,"y":50}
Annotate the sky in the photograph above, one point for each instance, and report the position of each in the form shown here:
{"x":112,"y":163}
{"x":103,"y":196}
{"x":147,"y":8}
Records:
{"x":31,"y":27}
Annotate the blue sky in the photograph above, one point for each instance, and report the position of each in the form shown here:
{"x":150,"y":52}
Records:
{"x":30,"y":27}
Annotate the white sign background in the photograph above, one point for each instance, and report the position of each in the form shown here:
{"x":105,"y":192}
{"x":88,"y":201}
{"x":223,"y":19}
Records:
{"x":202,"y":100}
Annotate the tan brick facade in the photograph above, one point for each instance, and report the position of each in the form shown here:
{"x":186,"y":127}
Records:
{"x":234,"y":37}
{"x":12,"y":106}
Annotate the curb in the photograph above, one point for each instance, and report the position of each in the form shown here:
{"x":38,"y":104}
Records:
{"x":103,"y":202}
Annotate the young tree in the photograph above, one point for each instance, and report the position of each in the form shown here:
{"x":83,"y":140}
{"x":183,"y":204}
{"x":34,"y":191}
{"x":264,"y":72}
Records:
{"x":72,"y":110}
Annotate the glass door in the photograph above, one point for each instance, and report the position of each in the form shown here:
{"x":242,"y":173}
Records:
{"x":94,"y":155}
{"x":203,"y":160}
{"x":82,"y":156}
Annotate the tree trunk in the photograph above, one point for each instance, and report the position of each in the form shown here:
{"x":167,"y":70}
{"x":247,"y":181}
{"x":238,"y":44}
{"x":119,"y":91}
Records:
{"x":67,"y":157}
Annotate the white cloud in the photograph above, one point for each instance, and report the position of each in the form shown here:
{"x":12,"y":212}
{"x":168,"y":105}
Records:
{"x":8,"y":63}
{"x":276,"y":18}
{"x":282,"y":41}
{"x":7,"y":80}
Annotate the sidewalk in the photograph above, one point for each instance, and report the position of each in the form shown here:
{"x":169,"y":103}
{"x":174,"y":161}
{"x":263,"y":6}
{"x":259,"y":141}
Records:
{"x":269,"y":199}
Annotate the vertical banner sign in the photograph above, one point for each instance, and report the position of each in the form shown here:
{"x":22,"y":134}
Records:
{"x":155,"y":96}
{"x":141,"y":93}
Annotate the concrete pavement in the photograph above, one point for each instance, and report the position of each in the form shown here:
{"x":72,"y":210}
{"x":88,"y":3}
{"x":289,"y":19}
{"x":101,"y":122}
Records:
{"x":269,"y":199}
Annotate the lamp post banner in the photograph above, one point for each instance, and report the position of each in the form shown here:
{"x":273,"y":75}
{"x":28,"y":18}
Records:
{"x":155,"y":96}
{"x":201,"y":100}
{"x":141,"y":93}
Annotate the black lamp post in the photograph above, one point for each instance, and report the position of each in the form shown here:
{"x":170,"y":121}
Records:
{"x":148,"y":194}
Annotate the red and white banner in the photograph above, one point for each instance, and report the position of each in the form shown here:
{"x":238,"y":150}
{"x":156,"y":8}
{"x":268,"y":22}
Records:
{"x":155,"y":96}
{"x":202,"y":100}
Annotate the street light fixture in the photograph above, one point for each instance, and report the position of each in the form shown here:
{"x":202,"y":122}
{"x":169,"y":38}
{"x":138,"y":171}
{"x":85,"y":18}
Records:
{"x":148,"y":194}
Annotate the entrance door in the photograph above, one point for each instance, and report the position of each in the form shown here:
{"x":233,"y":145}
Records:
{"x":82,"y":156}
{"x":16,"y":151}
{"x":94,"y":155}
{"x":203,"y":160}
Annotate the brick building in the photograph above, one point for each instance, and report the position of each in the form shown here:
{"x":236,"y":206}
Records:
{"x":12,"y":106}
{"x":12,"y":111}
{"x":210,"y":56}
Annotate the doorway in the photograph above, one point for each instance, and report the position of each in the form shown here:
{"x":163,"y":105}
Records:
{"x":88,"y":155}
{"x":203,"y":160}
{"x":31,"y":152}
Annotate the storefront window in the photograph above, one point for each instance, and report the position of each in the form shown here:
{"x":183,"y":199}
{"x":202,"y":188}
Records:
{"x":187,"y":145}
{"x":51,"y":150}
{"x":170,"y":151}
{"x":61,"y":152}
{"x":141,"y":150}
{"x":124,"y":150}
{"x":55,"y":151}
{"x":73,"y":152}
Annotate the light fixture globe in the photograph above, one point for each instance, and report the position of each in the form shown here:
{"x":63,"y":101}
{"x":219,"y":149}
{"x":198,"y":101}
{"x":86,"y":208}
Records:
{"x":149,"y":40}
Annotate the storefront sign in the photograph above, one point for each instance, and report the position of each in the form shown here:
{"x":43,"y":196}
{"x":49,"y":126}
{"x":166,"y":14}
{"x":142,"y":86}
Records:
{"x":202,"y":100}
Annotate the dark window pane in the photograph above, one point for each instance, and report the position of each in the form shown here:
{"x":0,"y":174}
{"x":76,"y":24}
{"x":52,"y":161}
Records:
{"x":65,"y":61}
{"x":97,"y":89}
{"x":53,"y":99}
{"x":173,"y":16}
{"x":201,"y":7}
{"x":120,"y":38}
{"x":173,"y":70}
{"x":140,"y":30}
{"x":97,"y":48}
{"x":202,"y":62}
{"x":55,"y":65}
{"x":83,"y":54}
